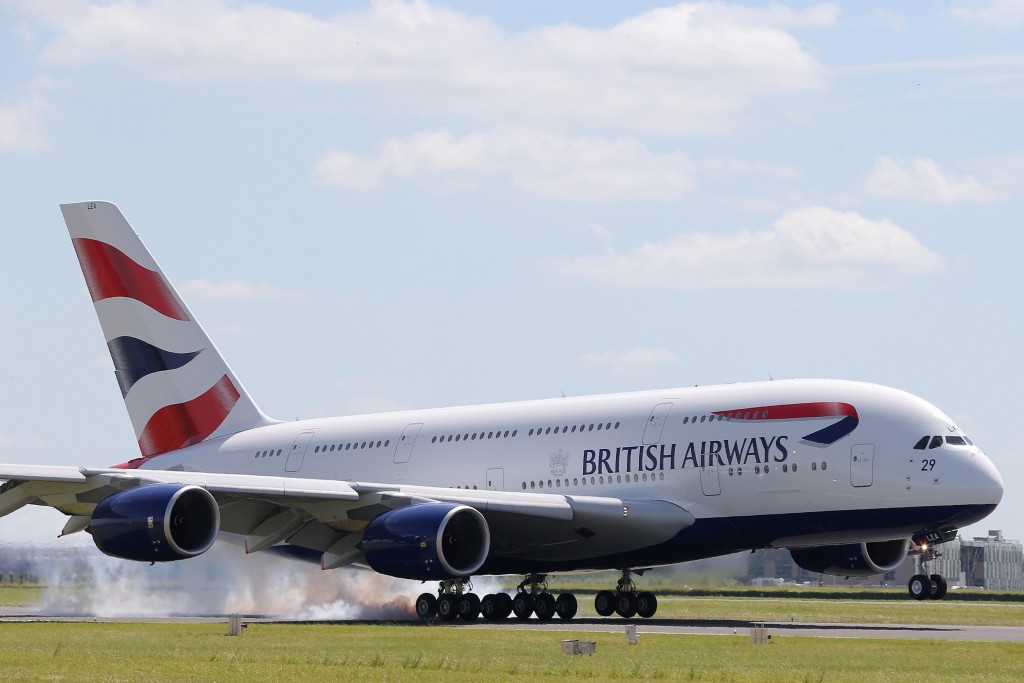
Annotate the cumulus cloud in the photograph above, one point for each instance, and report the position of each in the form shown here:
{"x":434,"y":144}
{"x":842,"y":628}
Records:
{"x":808,"y":247}
{"x":639,"y":358}
{"x":238,"y":290}
{"x":683,"y":68}
{"x":534,"y":162}
{"x":921,"y":180}
{"x":21,"y":125}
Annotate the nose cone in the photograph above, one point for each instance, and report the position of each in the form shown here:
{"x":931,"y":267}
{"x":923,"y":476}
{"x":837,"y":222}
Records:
{"x":989,"y":481}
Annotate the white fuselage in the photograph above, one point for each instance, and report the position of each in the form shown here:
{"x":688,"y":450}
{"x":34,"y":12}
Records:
{"x":704,"y":449}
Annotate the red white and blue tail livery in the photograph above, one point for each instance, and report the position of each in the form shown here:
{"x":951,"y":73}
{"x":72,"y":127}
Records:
{"x":851,"y":477}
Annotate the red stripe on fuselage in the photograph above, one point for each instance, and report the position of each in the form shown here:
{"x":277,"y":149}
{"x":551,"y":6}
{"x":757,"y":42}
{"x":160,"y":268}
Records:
{"x":185,"y":424}
{"x":110,"y":273}
{"x":791,"y":411}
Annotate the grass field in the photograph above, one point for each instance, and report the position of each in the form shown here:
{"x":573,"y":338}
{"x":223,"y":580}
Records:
{"x":273,"y":652}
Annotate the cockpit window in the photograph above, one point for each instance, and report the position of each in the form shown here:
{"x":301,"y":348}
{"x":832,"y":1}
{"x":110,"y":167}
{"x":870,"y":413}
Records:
{"x":922,"y":444}
{"x":956,"y":441}
{"x":936,"y":442}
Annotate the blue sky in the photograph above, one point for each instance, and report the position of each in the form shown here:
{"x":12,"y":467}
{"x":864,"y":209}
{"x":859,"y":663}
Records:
{"x":376,"y":206}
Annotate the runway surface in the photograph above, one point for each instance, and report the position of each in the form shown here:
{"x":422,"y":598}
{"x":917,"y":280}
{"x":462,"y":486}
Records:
{"x":1008,"y":634}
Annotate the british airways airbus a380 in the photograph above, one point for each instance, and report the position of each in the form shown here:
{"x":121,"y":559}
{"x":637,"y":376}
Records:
{"x":851,"y":477}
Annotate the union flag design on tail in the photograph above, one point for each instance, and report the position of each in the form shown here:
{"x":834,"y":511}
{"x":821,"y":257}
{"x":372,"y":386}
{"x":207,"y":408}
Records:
{"x":178,"y":389}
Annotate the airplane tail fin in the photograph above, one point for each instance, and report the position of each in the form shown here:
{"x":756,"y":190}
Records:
{"x":177,"y":387}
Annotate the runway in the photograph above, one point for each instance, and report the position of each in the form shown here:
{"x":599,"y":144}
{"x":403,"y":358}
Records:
{"x":1006,"y":634}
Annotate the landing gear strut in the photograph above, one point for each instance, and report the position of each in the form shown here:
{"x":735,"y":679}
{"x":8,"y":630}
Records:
{"x":626,"y":601}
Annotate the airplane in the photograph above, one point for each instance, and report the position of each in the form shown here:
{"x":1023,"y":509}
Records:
{"x":851,"y":477}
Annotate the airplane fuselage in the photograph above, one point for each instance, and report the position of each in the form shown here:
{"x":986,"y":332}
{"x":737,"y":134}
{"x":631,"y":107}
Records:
{"x":785,"y":463}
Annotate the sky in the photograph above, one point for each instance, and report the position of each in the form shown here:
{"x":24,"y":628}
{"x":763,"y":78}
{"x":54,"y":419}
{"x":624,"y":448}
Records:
{"x":390,"y":205}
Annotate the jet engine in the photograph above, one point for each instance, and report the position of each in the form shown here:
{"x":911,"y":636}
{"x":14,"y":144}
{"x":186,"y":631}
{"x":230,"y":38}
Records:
{"x":429,"y":541}
{"x":156,"y":523}
{"x":855,"y":559}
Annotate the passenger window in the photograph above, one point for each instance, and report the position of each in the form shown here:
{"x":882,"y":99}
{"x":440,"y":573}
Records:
{"x":936,"y":442}
{"x":922,"y":444}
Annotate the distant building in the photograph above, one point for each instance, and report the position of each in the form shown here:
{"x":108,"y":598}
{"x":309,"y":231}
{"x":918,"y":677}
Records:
{"x":993,"y":562}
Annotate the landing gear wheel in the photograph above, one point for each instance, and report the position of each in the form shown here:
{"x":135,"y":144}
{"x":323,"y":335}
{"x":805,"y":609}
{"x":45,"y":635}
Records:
{"x":625,"y":605}
{"x":565,"y":606}
{"x":939,"y":587}
{"x":920,"y":586}
{"x":489,"y":608}
{"x":604,"y":603}
{"x":447,"y":607}
{"x":504,"y":605}
{"x":646,"y":604}
{"x":468,"y":607}
{"x":426,"y":607}
{"x":544,"y":606}
{"x":522,"y":606}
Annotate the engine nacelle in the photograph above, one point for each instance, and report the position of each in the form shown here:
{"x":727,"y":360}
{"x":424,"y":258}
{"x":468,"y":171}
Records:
{"x":429,"y":541}
{"x":855,"y":559}
{"x":156,"y":523}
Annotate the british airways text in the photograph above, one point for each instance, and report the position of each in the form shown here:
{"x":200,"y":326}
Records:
{"x":759,"y":449}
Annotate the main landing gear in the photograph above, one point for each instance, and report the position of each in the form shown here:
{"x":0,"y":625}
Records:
{"x":455,"y":600}
{"x":533,"y":598}
{"x":626,"y":601}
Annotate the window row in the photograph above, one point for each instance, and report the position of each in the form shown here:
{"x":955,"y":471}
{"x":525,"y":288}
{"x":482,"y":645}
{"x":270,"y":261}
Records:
{"x":594,"y":481}
{"x":572,"y":429}
{"x":352,"y":446}
{"x":268,"y":454}
{"x":474,"y":436}
{"x":786,"y":467}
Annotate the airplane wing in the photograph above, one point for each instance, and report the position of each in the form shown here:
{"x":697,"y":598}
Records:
{"x":328,"y":516}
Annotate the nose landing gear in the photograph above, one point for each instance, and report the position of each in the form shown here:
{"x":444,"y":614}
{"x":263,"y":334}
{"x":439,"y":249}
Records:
{"x":925,"y":587}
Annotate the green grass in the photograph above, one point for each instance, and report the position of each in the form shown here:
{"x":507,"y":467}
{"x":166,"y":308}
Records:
{"x":907,"y":611}
{"x":272,"y":652}
{"x":21,"y":595}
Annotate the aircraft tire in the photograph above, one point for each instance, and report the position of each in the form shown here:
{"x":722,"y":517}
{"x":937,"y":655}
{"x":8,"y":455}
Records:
{"x":939,"y":587}
{"x":920,"y":586}
{"x":566,"y":606}
{"x":604,"y":603}
{"x":646,"y":604}
{"x":489,"y":607}
{"x":544,"y":606}
{"x":447,"y":608}
{"x":426,"y":607}
{"x":468,"y":607}
{"x":625,"y":605}
{"x":504,"y":605}
{"x":522,"y":606}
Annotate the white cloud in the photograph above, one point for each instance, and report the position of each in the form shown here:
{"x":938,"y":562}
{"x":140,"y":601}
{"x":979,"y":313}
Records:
{"x":535,"y":162}
{"x":1000,"y":14}
{"x":238,"y":290}
{"x":683,"y":68}
{"x":808,"y":247}
{"x":921,"y":180}
{"x":639,"y":358}
{"x":21,"y":125}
